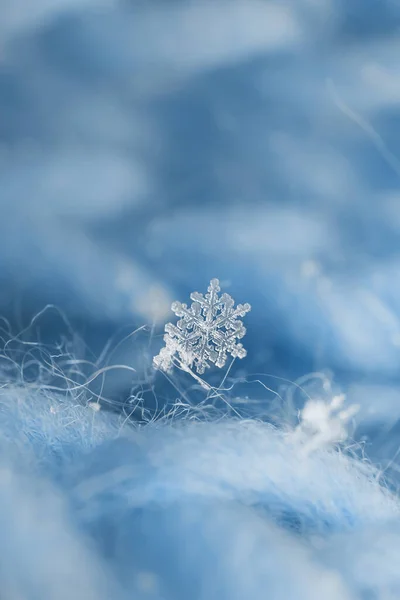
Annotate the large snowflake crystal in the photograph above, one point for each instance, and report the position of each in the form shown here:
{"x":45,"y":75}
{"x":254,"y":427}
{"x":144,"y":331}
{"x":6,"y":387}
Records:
{"x":206,"y":332}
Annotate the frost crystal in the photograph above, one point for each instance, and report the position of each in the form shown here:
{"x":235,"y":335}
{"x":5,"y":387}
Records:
{"x":206,"y":332}
{"x":324,"y":424}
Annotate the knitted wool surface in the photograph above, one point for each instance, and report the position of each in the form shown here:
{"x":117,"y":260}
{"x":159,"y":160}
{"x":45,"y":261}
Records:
{"x":92,"y":507}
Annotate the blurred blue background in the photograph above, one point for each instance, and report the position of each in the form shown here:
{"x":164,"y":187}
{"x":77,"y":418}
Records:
{"x":147,"y":147}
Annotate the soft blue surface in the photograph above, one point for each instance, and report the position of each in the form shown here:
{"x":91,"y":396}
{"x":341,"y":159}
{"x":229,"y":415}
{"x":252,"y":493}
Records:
{"x":91,"y":507}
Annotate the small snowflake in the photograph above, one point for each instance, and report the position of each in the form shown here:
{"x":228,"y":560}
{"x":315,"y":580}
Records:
{"x":323,"y":424}
{"x":206,"y":332}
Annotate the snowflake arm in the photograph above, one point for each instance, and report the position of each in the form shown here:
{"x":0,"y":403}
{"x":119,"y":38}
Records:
{"x":206,"y":333}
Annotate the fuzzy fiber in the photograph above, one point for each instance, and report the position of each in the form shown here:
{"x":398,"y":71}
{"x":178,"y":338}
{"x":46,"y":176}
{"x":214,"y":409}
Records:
{"x":230,"y":509}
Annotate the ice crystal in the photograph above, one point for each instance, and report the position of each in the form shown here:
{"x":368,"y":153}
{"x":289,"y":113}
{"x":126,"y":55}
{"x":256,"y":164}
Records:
{"x":324,"y":424}
{"x":206,"y":333}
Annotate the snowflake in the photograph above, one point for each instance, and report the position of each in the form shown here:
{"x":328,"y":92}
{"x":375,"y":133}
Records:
{"x":206,"y":332}
{"x":324,"y":424}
